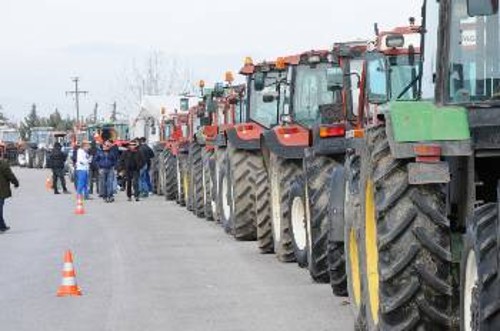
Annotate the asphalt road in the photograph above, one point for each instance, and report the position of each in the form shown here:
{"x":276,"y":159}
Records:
{"x":150,"y":265}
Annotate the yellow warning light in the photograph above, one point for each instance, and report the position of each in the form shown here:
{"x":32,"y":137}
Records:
{"x":280,"y":63}
{"x":229,"y":77}
{"x":201,"y":84}
{"x":248,"y":61}
{"x":163,"y":111}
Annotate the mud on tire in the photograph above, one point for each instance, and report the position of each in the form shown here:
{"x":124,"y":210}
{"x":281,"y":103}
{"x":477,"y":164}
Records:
{"x":170,"y":176}
{"x":196,"y":180}
{"x":262,"y":197}
{"x":208,"y":183}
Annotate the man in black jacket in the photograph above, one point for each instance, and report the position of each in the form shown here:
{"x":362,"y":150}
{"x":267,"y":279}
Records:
{"x":56,"y":161}
{"x":147,"y":153}
{"x":131,"y":162}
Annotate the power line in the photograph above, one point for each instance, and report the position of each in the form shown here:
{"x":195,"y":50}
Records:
{"x":77,"y":93}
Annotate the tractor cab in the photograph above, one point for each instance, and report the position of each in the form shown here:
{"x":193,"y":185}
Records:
{"x":118,"y":132}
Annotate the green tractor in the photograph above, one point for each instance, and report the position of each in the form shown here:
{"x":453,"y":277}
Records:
{"x":423,"y":242}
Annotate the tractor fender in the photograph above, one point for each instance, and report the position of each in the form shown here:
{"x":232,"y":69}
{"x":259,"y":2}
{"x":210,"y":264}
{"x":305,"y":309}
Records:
{"x":237,"y":142}
{"x":336,"y":206}
{"x":271,"y":141}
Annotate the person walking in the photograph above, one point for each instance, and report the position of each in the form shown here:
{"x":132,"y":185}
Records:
{"x":131,"y":163}
{"x":82,"y":169}
{"x":106,"y":162}
{"x":57,"y":160}
{"x":7,"y":177}
{"x":148,"y":154}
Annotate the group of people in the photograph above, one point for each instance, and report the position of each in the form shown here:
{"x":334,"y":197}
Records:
{"x":104,"y":162}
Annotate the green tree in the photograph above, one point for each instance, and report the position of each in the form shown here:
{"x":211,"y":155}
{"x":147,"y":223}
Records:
{"x":30,"y":121}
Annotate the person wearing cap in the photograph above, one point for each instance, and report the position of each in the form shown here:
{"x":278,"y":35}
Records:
{"x":132,"y":162}
{"x":82,"y":169}
{"x":56,"y":161}
{"x":106,"y":162}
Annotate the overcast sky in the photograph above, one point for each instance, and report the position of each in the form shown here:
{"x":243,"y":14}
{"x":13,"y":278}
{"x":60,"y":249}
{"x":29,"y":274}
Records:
{"x":45,"y":42}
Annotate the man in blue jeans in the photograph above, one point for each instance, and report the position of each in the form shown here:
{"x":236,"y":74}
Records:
{"x":145,"y":185}
{"x":82,"y":170}
{"x":106,"y":162}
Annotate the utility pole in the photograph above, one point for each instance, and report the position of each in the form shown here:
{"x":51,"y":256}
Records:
{"x":113,"y":112}
{"x":77,"y":93}
{"x":95,"y":112}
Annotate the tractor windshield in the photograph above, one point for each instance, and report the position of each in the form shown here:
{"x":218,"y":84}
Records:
{"x":265,"y":113}
{"x":11,"y":136}
{"x":310,"y":94}
{"x":474,"y":70}
{"x":405,"y":77}
{"x":39,"y":136}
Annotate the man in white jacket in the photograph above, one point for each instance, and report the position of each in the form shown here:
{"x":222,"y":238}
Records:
{"x":82,"y":169}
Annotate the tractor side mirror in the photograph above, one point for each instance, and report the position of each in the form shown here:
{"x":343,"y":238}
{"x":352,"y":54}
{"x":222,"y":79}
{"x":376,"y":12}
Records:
{"x":259,"y":81}
{"x":482,"y":7}
{"x":184,"y":104}
{"x":335,"y":78}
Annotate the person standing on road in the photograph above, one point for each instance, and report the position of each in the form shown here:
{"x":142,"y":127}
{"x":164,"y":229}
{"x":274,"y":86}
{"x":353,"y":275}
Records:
{"x":147,"y":154}
{"x":106,"y":161}
{"x":82,"y":170}
{"x":95,"y":147}
{"x":7,"y":177}
{"x":132,"y":162}
{"x":57,"y":160}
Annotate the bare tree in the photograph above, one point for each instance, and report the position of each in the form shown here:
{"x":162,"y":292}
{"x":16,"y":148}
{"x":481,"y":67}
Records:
{"x":157,"y":74}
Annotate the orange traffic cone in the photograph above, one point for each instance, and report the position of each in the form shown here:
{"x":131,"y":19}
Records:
{"x":68,"y":286}
{"x":79,"y":206}
{"x":48,"y":184}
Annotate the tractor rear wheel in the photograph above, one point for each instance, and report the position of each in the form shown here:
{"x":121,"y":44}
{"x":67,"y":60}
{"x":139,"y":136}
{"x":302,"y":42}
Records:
{"x":263,"y":208}
{"x":224,"y":186}
{"x":181,"y":179}
{"x":298,"y":227}
{"x":352,"y":244}
{"x":208,"y":201}
{"x":480,"y":292}
{"x":170,"y":174}
{"x":220,"y":164}
{"x":196,"y":183}
{"x":282,"y":173}
{"x":406,"y":244}
{"x":318,"y":172}
{"x":242,"y":193}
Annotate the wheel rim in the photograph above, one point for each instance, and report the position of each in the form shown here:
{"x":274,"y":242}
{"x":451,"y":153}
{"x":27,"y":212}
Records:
{"x":225,"y":199}
{"x":298,"y":223}
{"x":371,"y":250}
{"x":275,"y":199}
{"x":470,"y":287}
{"x":354,"y":261}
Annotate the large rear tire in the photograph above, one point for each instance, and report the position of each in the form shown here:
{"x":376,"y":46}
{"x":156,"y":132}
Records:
{"x":196,"y":180}
{"x":352,"y":242}
{"x":282,"y":173}
{"x":318,"y":172}
{"x":181,"y":178}
{"x":242,"y":193}
{"x":208,"y":180}
{"x":220,"y":165}
{"x":298,"y":226}
{"x":480,"y":292}
{"x":407,"y":274}
{"x":170,"y":176}
{"x":265,"y":239}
